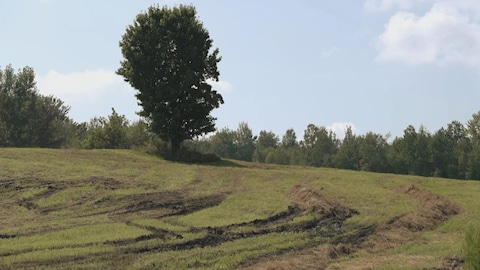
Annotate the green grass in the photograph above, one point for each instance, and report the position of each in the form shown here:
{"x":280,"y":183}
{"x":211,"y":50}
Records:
{"x":471,"y":247}
{"x":76,"y":236}
{"x":93,"y":207}
{"x":238,"y":208}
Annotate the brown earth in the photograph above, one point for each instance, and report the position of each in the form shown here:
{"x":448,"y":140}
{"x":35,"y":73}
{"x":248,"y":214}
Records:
{"x":432,"y":211}
{"x":327,"y":218}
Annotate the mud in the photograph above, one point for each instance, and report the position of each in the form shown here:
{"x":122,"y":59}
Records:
{"x":433,"y":210}
{"x":326,"y":219}
{"x":327,"y":222}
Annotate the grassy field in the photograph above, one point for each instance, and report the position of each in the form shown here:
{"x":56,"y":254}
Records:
{"x":120,"y":209}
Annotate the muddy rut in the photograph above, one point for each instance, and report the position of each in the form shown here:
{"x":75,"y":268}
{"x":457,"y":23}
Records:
{"x":432,"y":211}
{"x":325,"y":219}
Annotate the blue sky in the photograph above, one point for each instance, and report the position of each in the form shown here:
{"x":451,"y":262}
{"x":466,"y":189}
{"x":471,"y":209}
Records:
{"x":377,"y":65}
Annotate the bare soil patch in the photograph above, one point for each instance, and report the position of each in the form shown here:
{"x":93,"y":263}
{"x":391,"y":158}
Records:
{"x":432,"y":211}
{"x":320,"y":217}
{"x":327,"y":221}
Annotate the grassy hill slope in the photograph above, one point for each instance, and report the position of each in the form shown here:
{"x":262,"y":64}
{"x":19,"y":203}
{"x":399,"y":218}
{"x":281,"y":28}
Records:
{"x":104,"y":209}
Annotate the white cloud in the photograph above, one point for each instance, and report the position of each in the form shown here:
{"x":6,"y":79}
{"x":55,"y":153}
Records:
{"x":449,"y":33}
{"x":89,"y":84}
{"x":339,"y":128}
{"x":90,"y":93}
{"x":224,"y":87}
{"x":329,"y":52}
{"x":94,"y":92}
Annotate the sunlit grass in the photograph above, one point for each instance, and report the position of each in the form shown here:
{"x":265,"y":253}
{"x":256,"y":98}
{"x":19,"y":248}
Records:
{"x":82,"y":219}
{"x":238,"y":208}
{"x":67,"y":196}
{"x":98,"y":233}
{"x":225,"y":256}
{"x":471,"y":247}
{"x":55,"y":254}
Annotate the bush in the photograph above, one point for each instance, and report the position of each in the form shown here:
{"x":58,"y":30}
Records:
{"x":471,"y":247}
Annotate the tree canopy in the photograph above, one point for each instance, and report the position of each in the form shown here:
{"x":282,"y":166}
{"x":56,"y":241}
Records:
{"x":168,"y":60}
{"x":28,"y":119}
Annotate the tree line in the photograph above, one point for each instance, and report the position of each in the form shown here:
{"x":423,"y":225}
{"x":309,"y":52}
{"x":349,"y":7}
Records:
{"x":29,"y":119}
{"x":450,"y":152}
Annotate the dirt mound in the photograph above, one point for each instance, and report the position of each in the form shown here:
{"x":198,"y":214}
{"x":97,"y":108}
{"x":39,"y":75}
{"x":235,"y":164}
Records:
{"x":330,"y":217}
{"x":432,"y":211}
{"x":327,"y":221}
{"x":309,"y":199}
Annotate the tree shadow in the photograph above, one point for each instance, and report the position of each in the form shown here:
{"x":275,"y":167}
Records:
{"x":196,"y":158}
{"x":225,"y":163}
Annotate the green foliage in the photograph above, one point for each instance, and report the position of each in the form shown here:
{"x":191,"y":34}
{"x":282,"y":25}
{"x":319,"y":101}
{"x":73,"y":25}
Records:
{"x":373,"y":153}
{"x":471,"y":247}
{"x":138,"y":135}
{"x":28,"y":119}
{"x":319,"y":146}
{"x":265,"y":147}
{"x":453,"y":152}
{"x":168,"y":60}
{"x":111,"y":133}
{"x":235,"y":144}
{"x":223,"y":143}
{"x":289,"y":139}
{"x":244,"y":142}
{"x":348,"y":155}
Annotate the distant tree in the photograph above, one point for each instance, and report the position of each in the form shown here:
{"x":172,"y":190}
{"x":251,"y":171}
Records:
{"x":138,"y":134}
{"x":319,"y":146}
{"x":473,"y":164}
{"x":289,"y":139}
{"x":223,"y":143}
{"x":411,"y":154}
{"x":398,"y":157}
{"x":443,"y":159}
{"x":52,"y":124}
{"x":450,"y":149}
{"x":423,"y":165}
{"x":473,"y":127}
{"x":267,"y":139}
{"x":289,"y":150}
{"x":168,"y":60}
{"x":348,"y":155}
{"x":266,"y":144}
{"x":462,"y":146}
{"x":244,"y":142}
{"x":28,"y":119}
{"x":18,"y":101}
{"x":373,"y":153}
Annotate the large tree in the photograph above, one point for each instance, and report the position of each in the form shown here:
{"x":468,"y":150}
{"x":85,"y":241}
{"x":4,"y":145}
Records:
{"x":169,"y":60}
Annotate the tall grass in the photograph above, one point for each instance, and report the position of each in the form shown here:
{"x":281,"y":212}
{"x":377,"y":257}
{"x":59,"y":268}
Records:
{"x":471,"y":247}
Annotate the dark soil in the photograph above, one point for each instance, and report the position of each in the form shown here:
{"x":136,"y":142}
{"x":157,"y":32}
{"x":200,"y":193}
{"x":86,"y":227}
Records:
{"x":433,"y":211}
{"x":328,"y":222}
{"x":326,"y":218}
